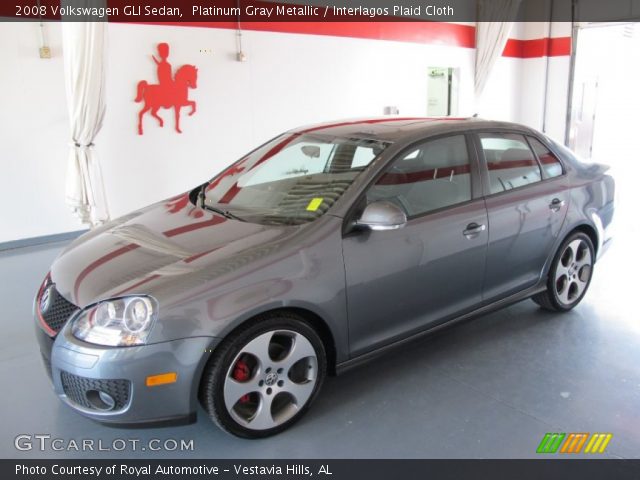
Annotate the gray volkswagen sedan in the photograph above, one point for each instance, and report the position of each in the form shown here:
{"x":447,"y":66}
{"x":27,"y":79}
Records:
{"x":319,"y":250}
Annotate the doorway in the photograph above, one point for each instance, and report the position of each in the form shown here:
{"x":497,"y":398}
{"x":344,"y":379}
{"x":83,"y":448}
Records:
{"x":603,"y":125}
{"x":442,"y":91}
{"x":606,"y":97}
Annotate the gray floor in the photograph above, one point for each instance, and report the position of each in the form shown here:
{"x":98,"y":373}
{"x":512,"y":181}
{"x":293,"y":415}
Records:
{"x":488,"y":388}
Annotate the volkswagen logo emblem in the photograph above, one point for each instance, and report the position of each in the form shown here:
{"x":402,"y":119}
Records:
{"x":45,"y":299}
{"x":271,"y":379}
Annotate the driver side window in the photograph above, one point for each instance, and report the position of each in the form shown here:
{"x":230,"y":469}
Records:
{"x":435,"y":175}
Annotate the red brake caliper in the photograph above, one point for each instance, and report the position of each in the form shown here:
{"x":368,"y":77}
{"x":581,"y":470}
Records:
{"x":241,"y":373}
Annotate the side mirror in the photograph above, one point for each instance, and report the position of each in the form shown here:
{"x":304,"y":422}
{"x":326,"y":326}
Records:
{"x":382,"y":215}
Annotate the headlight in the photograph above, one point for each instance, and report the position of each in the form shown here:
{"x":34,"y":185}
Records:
{"x":118,"y":322}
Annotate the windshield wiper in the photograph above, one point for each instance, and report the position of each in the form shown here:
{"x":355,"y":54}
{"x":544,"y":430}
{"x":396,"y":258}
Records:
{"x":224,"y":213}
{"x":219,"y":211}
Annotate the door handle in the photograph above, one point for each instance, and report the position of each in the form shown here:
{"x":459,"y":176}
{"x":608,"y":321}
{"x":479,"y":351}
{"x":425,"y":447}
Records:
{"x":556,"y":204}
{"x":474,"y":229}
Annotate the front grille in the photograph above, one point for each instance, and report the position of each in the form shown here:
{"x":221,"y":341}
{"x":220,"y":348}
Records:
{"x":58,"y":310}
{"x":76,"y":389}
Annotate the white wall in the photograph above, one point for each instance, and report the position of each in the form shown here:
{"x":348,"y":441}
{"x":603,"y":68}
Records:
{"x":33,"y":135}
{"x":287,"y":81}
{"x":501,"y":98}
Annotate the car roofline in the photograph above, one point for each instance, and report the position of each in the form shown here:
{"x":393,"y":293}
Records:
{"x":394,"y":129}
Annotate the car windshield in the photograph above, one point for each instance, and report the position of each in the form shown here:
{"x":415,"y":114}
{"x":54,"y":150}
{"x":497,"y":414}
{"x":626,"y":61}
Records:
{"x":293,"y":179}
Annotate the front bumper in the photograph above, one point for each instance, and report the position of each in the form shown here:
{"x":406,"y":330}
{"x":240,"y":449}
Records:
{"x":79,"y":371}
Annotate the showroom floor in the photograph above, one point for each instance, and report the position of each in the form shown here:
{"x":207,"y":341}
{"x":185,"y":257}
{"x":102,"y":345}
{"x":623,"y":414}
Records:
{"x":487,"y":388}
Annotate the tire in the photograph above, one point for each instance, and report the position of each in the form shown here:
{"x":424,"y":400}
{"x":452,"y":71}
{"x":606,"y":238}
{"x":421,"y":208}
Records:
{"x":570,"y":274}
{"x":277,"y":361}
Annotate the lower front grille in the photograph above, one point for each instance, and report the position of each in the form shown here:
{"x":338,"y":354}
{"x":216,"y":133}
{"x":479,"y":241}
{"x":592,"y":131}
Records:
{"x":85,"y":391}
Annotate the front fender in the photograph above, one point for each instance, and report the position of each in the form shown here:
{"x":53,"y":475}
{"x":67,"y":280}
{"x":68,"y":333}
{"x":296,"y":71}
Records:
{"x":304,"y":276}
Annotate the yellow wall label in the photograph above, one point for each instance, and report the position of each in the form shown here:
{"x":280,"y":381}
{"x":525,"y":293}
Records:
{"x":314,"y":204}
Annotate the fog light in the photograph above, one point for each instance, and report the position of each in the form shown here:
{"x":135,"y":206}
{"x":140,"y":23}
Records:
{"x":107,"y":399}
{"x":100,"y":400}
{"x":162,"y":379}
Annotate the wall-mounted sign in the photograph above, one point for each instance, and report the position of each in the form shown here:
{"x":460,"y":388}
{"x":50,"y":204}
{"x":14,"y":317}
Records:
{"x":171,"y":91}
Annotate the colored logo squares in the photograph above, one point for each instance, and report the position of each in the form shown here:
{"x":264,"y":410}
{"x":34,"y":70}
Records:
{"x":574,"y":443}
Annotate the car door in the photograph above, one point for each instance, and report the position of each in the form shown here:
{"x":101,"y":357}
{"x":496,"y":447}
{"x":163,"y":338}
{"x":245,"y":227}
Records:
{"x":402,"y":281}
{"x":526,"y":205}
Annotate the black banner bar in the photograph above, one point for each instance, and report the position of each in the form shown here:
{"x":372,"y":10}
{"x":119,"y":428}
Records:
{"x":535,"y":469}
{"x":233,"y":11}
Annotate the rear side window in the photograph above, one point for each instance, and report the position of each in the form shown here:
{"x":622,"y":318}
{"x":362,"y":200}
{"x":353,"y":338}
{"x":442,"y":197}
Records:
{"x":434,"y":175}
{"x":550,"y":164}
{"x":510,"y":161}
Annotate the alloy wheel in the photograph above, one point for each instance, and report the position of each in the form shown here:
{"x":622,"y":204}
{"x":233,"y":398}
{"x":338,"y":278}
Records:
{"x":573,"y":272}
{"x":270,"y":379}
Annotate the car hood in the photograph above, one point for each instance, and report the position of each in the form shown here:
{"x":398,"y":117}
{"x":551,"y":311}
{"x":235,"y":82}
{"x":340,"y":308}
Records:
{"x":145,"y":251}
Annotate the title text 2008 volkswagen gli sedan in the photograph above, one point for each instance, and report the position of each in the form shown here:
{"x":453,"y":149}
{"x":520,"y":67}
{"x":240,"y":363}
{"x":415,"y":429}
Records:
{"x":319,"y":249}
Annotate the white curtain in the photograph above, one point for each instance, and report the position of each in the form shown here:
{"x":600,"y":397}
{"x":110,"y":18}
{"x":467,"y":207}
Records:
{"x":492,"y":33}
{"x":84,"y":51}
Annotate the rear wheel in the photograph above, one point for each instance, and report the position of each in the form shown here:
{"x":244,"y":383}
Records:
{"x":570,"y":274}
{"x":263,"y":378}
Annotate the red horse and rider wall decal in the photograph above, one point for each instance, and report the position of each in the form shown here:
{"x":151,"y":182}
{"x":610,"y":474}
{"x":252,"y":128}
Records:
{"x":169,"y":92}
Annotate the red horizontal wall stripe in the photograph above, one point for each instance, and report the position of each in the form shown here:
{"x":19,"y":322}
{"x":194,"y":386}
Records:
{"x":435,"y":33}
{"x":559,"y":46}
{"x":442,"y":33}
{"x":539,"y":47}
{"x":513,"y":48}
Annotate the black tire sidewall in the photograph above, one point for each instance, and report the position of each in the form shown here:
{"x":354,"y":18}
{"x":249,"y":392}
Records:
{"x":232,"y":348}
{"x":551,"y":287}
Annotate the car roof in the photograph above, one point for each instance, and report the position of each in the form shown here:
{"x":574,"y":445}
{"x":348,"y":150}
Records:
{"x":394,"y":129}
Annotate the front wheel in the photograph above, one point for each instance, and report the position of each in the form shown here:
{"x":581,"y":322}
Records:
{"x":570,"y":274}
{"x":263,"y":378}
